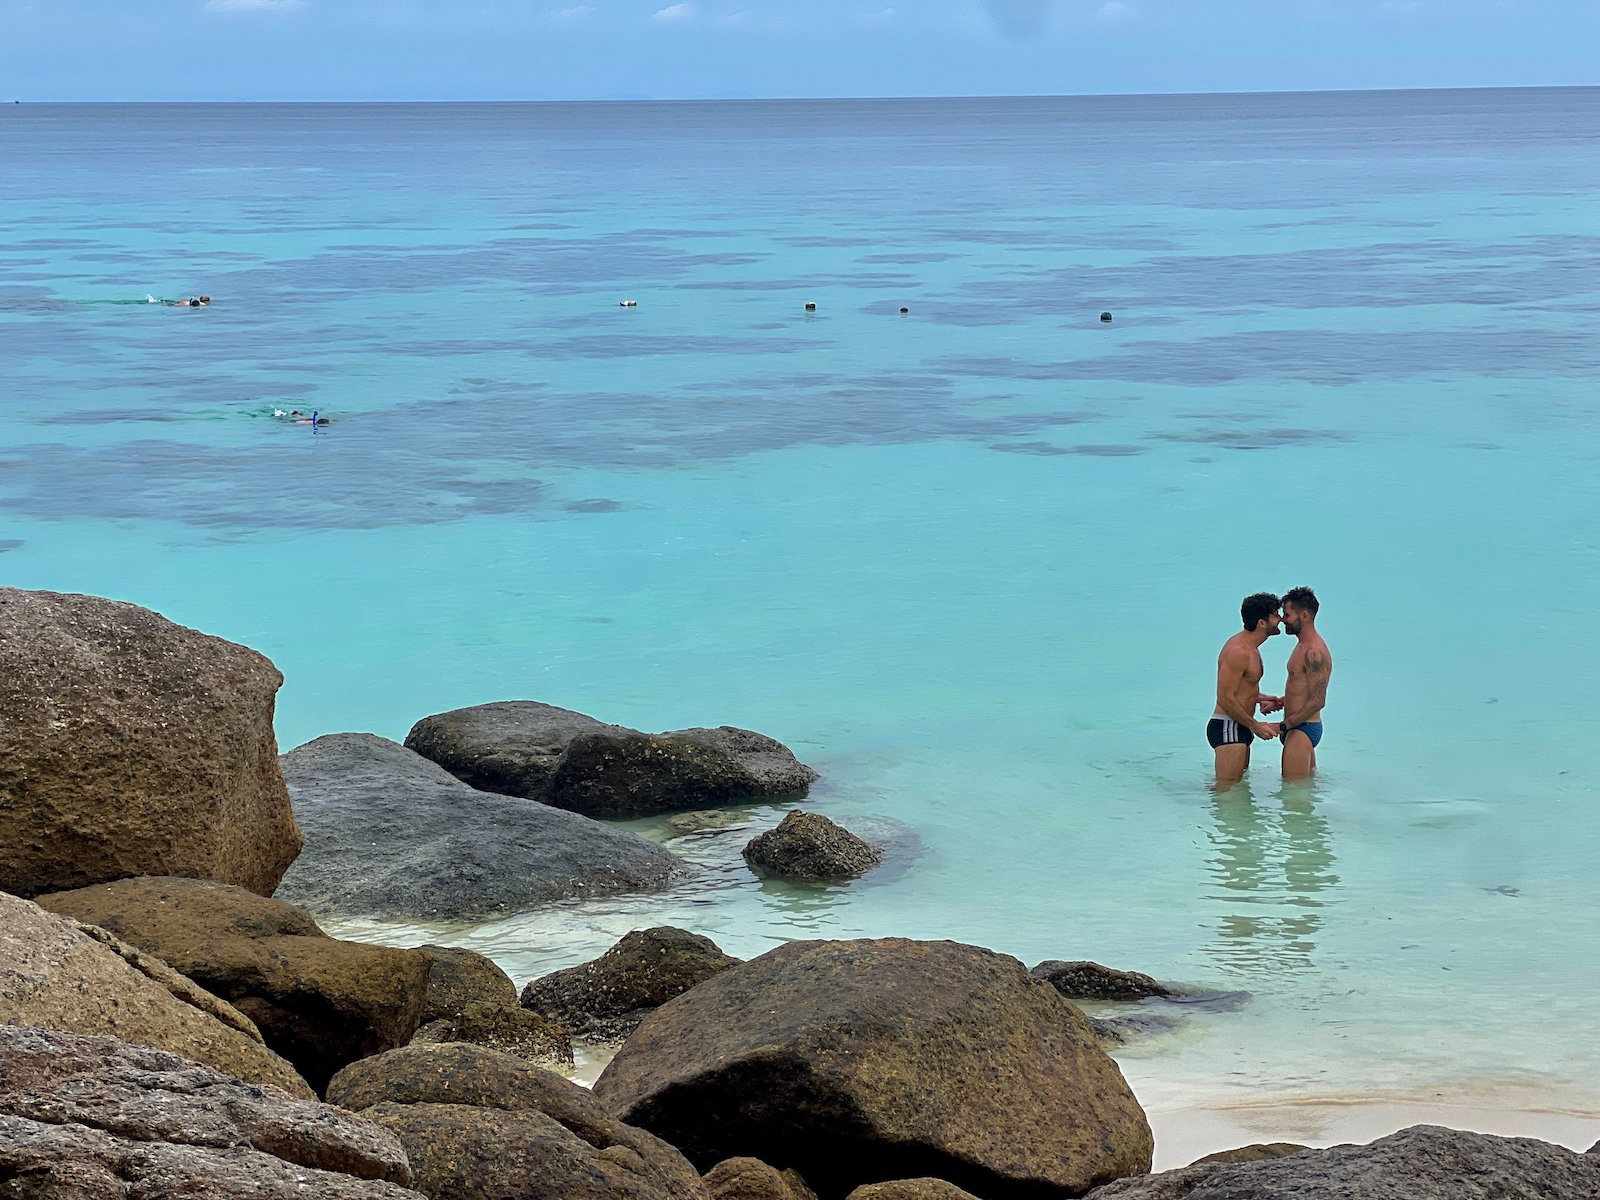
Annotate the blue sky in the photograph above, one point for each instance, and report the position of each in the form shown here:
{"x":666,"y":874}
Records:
{"x":618,"y":49}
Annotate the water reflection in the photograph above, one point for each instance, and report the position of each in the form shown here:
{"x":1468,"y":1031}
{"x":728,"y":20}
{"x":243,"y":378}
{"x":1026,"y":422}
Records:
{"x":1272,"y":862}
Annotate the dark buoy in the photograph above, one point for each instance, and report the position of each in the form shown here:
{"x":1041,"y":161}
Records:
{"x":1105,"y":318}
{"x":904,"y":310}
{"x":811,"y":306}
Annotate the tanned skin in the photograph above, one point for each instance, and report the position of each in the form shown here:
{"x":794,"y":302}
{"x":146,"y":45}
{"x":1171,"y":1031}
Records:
{"x":1239,"y":672}
{"x":1310,"y":669}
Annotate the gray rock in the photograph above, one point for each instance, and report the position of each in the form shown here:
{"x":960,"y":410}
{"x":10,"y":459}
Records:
{"x":1119,"y":1031}
{"x":571,"y":761}
{"x":604,"y":1000}
{"x":57,"y":974}
{"x":457,"y":978}
{"x":1259,"y":1152}
{"x":1424,"y":1162}
{"x":1090,"y":981}
{"x":752,"y":1179}
{"x":391,"y":835}
{"x":133,"y":746}
{"x":478,"y":1125}
{"x":93,"y":1118}
{"x":856,"y":1062}
{"x":508,"y":1029}
{"x":809,"y":847}
{"x":318,"y":1001}
{"x":1595,"y":1149}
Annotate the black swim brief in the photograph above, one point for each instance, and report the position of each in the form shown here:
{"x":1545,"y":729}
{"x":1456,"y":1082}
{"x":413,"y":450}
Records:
{"x":1225,"y":731}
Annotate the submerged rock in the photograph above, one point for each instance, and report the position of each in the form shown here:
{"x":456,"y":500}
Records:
{"x":457,"y":978}
{"x":508,"y":1029}
{"x":318,"y":1001}
{"x":133,"y":746}
{"x":1424,"y":1162}
{"x":808,"y":846}
{"x":605,"y":1000}
{"x":859,"y":1062}
{"x":1260,"y":1152}
{"x":392,"y":835}
{"x":752,"y":1179}
{"x":59,"y":975}
{"x":1090,"y":981}
{"x":93,"y":1116}
{"x":574,"y":762}
{"x":478,"y":1125}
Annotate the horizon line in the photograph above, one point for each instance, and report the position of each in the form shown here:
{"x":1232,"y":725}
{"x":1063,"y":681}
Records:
{"x":1353,"y":91}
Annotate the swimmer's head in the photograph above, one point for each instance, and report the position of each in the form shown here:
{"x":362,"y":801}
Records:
{"x":1299,"y":606}
{"x":1260,"y":612}
{"x":205,"y":299}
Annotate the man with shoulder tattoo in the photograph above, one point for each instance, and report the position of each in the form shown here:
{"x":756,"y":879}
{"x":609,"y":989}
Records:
{"x":1310,"y":669}
{"x":1233,"y":724}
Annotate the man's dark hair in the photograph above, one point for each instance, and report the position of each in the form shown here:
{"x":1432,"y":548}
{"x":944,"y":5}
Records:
{"x":1257,"y":608}
{"x":1302,"y":598}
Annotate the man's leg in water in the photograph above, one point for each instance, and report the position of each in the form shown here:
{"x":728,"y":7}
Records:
{"x":1299,"y":756}
{"x":1232,"y":762}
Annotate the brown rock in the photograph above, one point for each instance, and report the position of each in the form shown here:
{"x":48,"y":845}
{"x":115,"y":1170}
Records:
{"x":508,"y":1029}
{"x":911,"y":1189}
{"x":752,"y":1179}
{"x":808,"y":846}
{"x":1091,"y":981}
{"x":859,"y":1062}
{"x":318,"y":1001}
{"x":604,"y":1000}
{"x":57,"y":974}
{"x":1259,"y":1152}
{"x":457,"y":978}
{"x":133,"y":746}
{"x":478,"y":1125}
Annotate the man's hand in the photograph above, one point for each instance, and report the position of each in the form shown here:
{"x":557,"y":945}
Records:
{"x":1270,"y":704}
{"x":1267,"y":731}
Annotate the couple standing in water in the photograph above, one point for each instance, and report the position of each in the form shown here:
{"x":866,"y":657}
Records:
{"x":1233,"y":725}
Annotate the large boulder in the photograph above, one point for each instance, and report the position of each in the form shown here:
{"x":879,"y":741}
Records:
{"x":478,"y":1125}
{"x":93,"y":1118}
{"x":562,"y":758}
{"x":605,"y":1000}
{"x":394,"y":836}
{"x":1424,"y":1162}
{"x":57,"y":974}
{"x":457,"y":978}
{"x":807,"y":846}
{"x":752,"y":1179}
{"x":133,"y":746}
{"x":508,"y":1029}
{"x":1083,"y":980}
{"x":318,"y":1001}
{"x":868,"y":1061}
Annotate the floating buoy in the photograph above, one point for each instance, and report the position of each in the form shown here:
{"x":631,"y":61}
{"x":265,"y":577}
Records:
{"x":811,"y":306}
{"x":904,"y":310}
{"x":1105,"y":318}
{"x":628,"y":304}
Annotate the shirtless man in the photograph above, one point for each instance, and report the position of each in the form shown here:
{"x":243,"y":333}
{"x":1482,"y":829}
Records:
{"x":1233,"y":725}
{"x":1310,"y":668}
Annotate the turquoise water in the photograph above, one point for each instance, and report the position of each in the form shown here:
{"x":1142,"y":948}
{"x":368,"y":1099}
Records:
{"x":973,"y":563}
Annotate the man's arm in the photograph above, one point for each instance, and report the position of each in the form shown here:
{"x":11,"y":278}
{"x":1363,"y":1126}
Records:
{"x":1230,"y":670}
{"x":1318,"y":669}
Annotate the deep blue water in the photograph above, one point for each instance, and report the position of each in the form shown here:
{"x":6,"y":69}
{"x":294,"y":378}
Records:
{"x":974,"y":562}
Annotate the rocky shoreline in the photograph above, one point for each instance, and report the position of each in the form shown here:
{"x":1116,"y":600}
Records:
{"x":175,"y":1021}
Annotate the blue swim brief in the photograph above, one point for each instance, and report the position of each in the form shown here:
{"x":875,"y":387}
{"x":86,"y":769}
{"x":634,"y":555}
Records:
{"x":1312,"y":730}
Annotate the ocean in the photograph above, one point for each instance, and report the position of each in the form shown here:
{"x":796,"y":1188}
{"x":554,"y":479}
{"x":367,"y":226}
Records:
{"x":973,"y":562}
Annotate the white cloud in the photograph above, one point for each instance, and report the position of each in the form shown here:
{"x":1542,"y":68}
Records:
{"x":1114,"y":12}
{"x":674,"y":14}
{"x":572,"y":15}
{"x":254,"y":5}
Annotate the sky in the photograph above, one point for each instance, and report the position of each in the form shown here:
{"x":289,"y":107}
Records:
{"x":689,"y":49}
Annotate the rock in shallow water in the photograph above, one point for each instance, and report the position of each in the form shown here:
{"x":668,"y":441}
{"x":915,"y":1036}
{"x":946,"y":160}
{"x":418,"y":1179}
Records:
{"x":508,"y":1029}
{"x":478,"y":1125}
{"x":133,"y":746}
{"x":57,"y":974}
{"x":809,"y":847}
{"x":392,"y":835}
{"x":1425,"y":1162}
{"x":1260,"y":1152}
{"x":605,"y":1000}
{"x":574,"y":762}
{"x":92,"y":1118}
{"x":457,"y":978}
{"x":318,"y":1001}
{"x":859,"y":1062}
{"x":1090,"y":981}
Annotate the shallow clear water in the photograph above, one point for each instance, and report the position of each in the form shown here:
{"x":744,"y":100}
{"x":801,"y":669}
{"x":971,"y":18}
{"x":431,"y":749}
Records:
{"x":973,"y":563}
